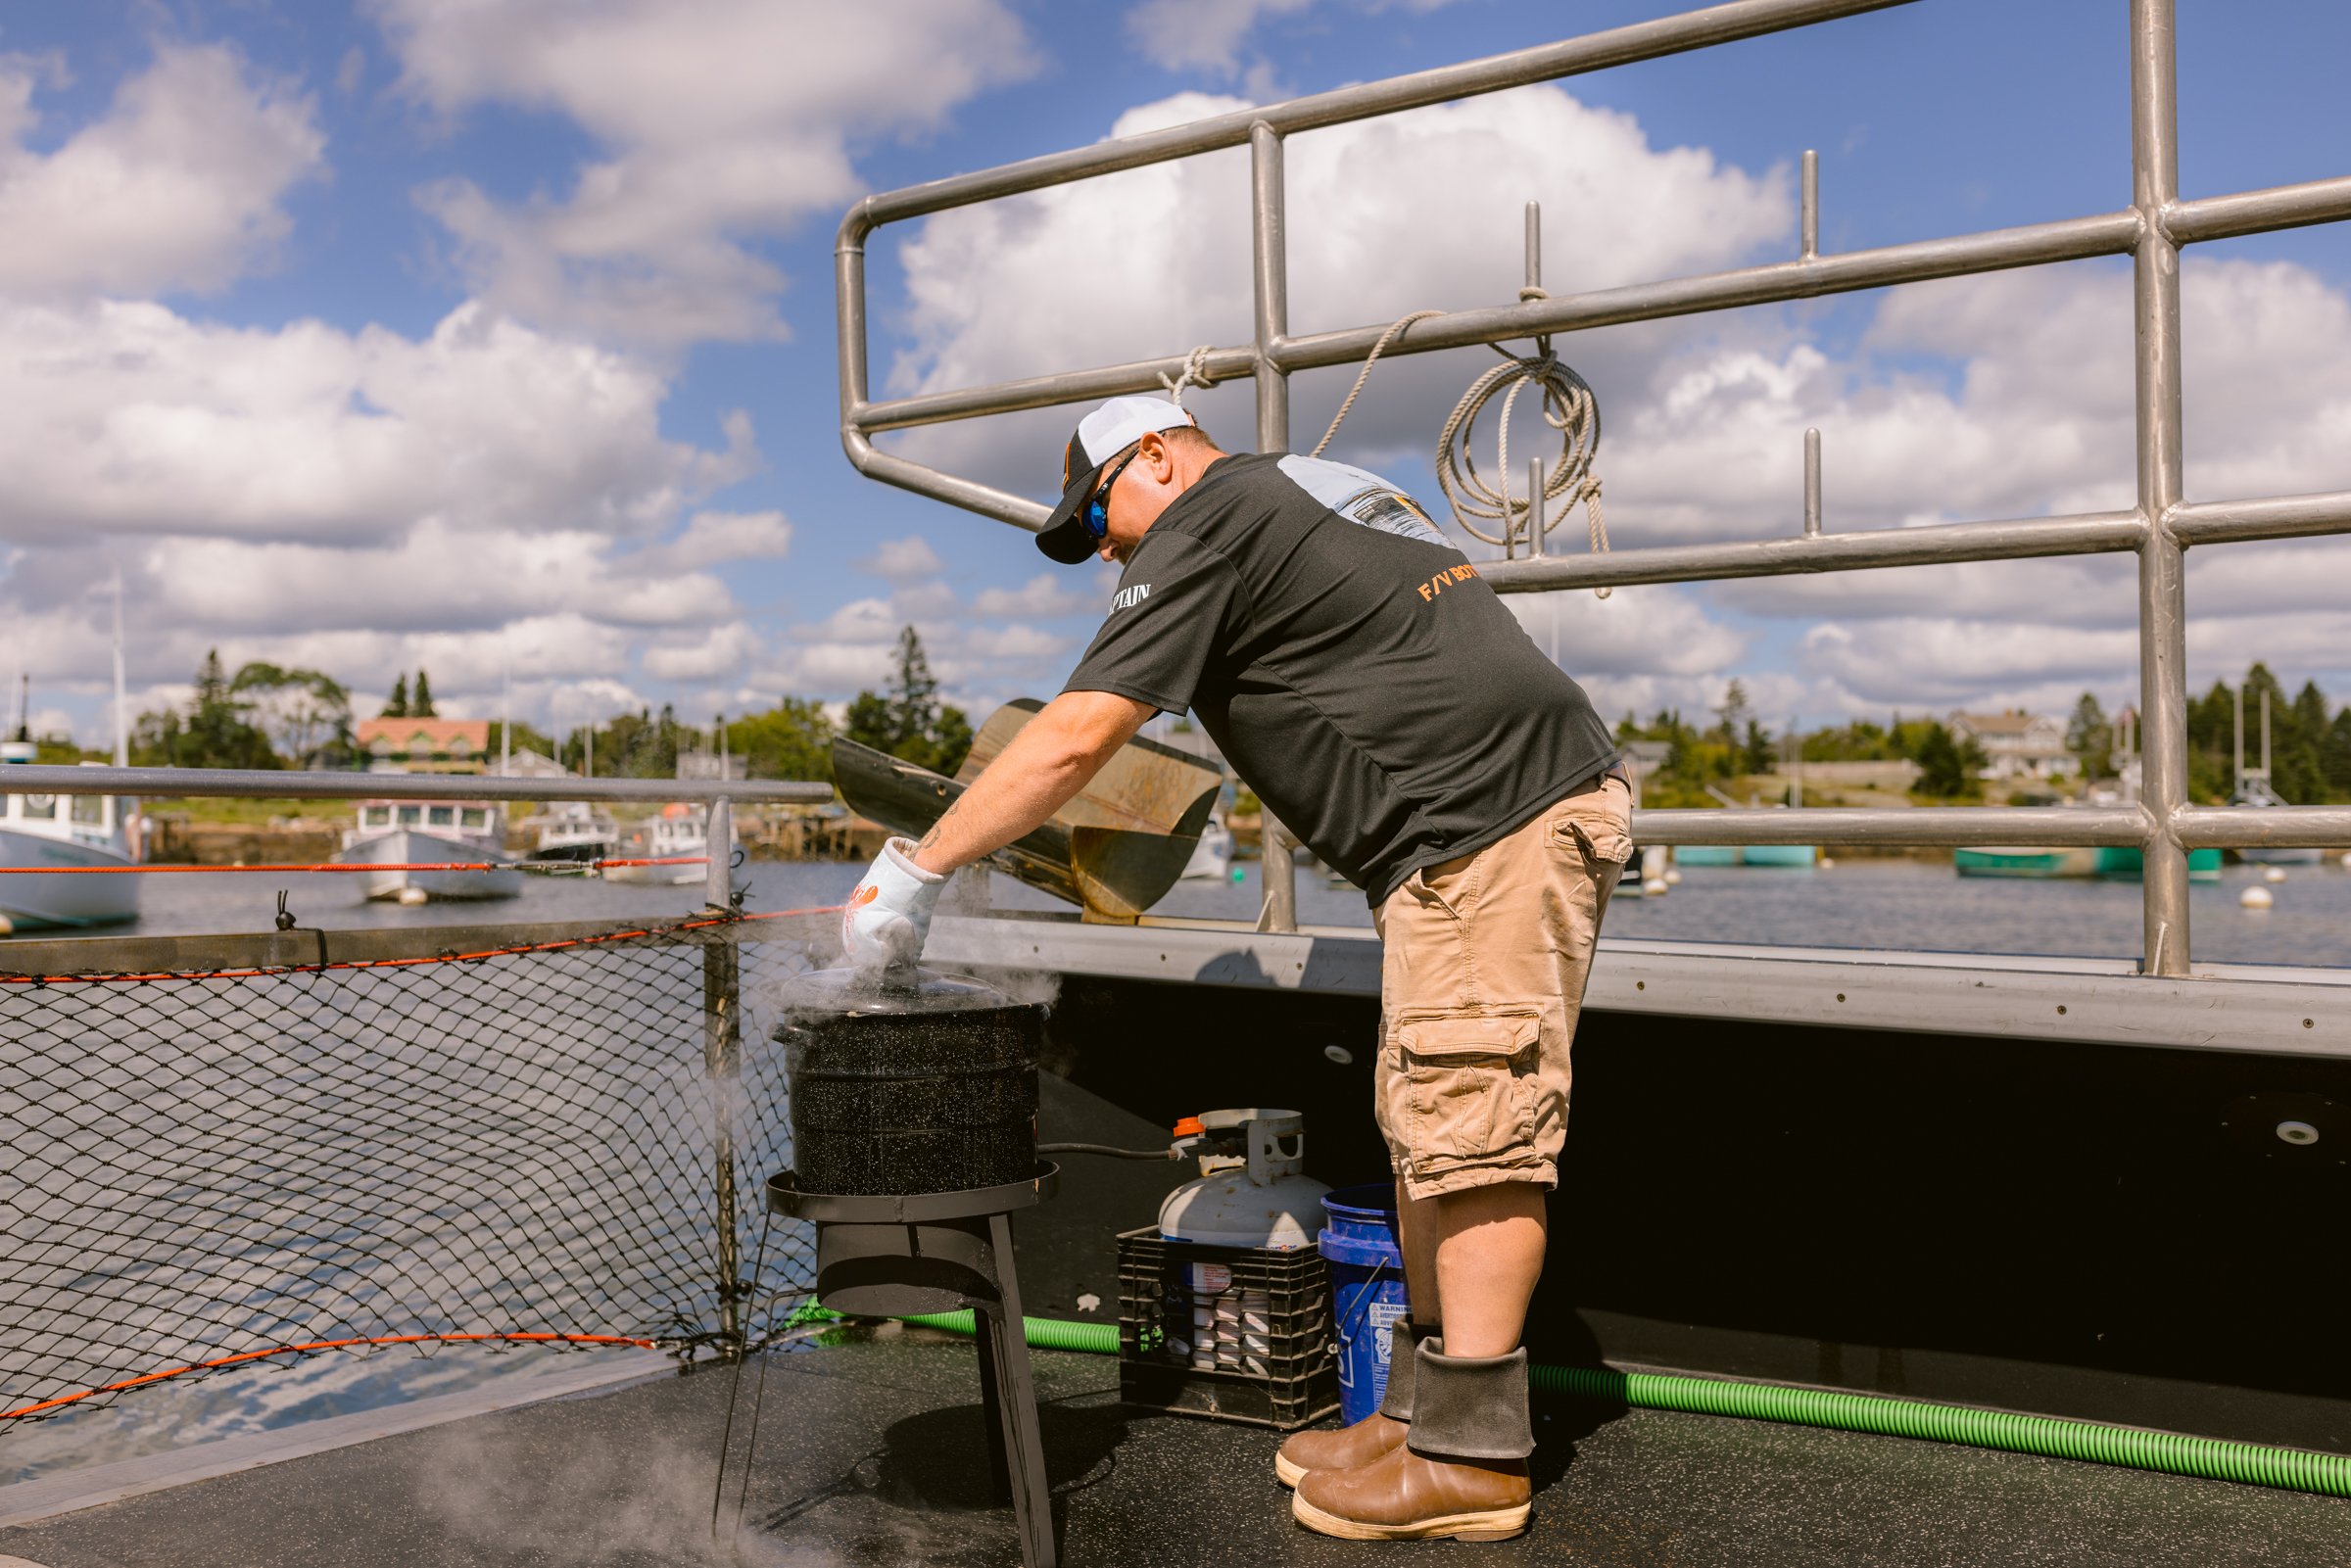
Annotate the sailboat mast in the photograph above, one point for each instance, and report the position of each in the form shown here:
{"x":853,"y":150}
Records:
{"x":2240,"y":738}
{"x":506,"y":719}
{"x":2265,"y":735}
{"x":121,"y":702}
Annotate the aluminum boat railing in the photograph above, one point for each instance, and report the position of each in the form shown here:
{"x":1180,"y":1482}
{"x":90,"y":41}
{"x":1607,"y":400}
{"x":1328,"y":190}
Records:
{"x":2158,"y":529}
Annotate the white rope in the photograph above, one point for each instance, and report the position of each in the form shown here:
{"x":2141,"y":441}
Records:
{"x":1569,"y":407}
{"x":1194,"y":374}
{"x":1365,"y":374}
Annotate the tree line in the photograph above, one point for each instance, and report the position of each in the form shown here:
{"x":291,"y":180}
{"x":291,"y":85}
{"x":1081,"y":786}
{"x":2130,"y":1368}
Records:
{"x":2310,"y":745}
{"x":266,"y":716}
{"x":1737,"y":745}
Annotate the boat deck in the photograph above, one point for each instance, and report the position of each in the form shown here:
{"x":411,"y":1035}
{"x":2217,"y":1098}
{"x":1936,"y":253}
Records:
{"x":872,"y":1451}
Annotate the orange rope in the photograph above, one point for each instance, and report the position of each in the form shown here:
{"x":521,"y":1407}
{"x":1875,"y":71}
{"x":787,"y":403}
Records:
{"x":326,"y":1344}
{"x":345,"y":864}
{"x":405,"y":962}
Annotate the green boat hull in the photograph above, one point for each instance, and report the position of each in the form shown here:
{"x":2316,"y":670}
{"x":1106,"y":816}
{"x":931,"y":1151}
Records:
{"x":1744,"y":855}
{"x":2118,"y":864}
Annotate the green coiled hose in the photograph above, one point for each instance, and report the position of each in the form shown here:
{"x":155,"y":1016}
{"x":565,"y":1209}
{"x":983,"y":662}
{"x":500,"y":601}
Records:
{"x":2210,"y":1458}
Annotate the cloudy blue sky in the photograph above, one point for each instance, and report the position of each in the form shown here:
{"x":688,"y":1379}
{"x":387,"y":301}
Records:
{"x":491,"y":333}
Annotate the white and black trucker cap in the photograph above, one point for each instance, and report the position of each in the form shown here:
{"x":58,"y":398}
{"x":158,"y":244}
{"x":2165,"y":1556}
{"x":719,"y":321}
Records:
{"x":1101,"y":436}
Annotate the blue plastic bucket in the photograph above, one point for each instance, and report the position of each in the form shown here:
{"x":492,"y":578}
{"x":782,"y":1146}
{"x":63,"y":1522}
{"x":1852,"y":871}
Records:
{"x":1366,"y":1289}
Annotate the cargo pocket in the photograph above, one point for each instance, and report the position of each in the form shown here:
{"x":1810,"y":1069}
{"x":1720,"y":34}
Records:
{"x":1596,"y":833}
{"x":1470,"y":1088}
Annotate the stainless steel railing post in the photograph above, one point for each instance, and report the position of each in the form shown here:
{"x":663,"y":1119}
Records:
{"x":722,"y":1063}
{"x":2162,"y":567}
{"x":1270,"y":254}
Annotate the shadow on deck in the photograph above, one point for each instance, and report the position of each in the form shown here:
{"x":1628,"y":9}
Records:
{"x":870,"y":1452}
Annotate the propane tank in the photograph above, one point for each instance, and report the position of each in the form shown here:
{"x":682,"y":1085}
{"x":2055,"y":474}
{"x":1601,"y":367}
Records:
{"x":1252,"y":1190}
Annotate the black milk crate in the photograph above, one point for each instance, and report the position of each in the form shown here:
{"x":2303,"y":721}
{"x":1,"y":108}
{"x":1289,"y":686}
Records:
{"x":1283,"y":1374}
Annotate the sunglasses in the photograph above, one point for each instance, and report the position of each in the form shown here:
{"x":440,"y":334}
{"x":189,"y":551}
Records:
{"x":1097,"y":511}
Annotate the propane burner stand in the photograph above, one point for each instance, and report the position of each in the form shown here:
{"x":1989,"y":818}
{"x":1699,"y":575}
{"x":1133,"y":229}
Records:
{"x":905,"y":1255}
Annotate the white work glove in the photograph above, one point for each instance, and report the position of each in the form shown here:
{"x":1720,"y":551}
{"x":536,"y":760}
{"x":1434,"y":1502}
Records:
{"x":889,"y":916}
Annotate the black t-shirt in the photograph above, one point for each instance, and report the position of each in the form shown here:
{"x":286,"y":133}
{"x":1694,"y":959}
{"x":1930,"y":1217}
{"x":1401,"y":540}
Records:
{"x":1362,"y":679}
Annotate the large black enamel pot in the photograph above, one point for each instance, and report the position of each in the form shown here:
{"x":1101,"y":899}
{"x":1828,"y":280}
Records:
{"x":923,"y":1087}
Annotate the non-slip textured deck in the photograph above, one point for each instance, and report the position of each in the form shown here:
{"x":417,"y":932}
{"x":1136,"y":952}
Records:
{"x":870,"y":1452}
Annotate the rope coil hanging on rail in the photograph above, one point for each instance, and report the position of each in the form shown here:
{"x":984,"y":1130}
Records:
{"x":1569,"y":407}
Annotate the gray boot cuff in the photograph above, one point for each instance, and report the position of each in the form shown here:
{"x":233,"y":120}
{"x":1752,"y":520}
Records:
{"x":1466,"y":1407}
{"x":1403,"y":1337}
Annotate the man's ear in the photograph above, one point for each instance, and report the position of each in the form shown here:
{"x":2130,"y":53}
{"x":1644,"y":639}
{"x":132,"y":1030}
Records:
{"x":1155,"y":452}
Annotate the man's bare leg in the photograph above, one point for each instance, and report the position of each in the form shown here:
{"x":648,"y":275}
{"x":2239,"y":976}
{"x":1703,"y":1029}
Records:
{"x":1471,"y":1262}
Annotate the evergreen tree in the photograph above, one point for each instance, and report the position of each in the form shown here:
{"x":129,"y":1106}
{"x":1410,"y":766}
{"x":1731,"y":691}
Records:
{"x":2089,"y":737}
{"x":212,"y":734}
{"x":1733,"y":715}
{"x":907,"y":720}
{"x":396,"y":706}
{"x":1947,"y":767}
{"x":2334,"y":756}
{"x":420,"y":706}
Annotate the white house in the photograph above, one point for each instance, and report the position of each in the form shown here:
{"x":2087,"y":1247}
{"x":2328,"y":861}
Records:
{"x":2017,"y":746}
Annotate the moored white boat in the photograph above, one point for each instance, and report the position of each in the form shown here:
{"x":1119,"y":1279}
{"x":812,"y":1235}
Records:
{"x":410,"y":832}
{"x":680,"y":833}
{"x":54,"y":836}
{"x":1212,"y":857}
{"x":574,"y":830}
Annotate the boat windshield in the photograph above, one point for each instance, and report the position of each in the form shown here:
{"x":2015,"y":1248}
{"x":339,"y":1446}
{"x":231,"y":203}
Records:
{"x":412,"y":816}
{"x":441,"y":816}
{"x":40,"y":808}
{"x":474,"y":817}
{"x":90,"y":810}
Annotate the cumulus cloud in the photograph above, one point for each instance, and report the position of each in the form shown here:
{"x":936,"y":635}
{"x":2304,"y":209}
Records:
{"x":131,"y":419}
{"x":723,"y":122}
{"x":712,"y":538}
{"x":718,"y":654}
{"x":178,"y":185}
{"x":2035,"y":416}
{"x":434,"y":575}
{"x":903,"y":560}
{"x":1045,"y":596}
{"x":1209,"y":35}
{"x":1417,"y":211}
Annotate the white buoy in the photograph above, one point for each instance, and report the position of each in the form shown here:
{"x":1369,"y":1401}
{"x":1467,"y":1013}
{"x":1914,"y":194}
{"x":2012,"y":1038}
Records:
{"x":2274,"y":874}
{"x":2347,"y":860}
{"x":1654,"y":888}
{"x":1673,"y":878}
{"x":1827,"y":861}
{"x":413,"y":895}
{"x":2256,"y":897}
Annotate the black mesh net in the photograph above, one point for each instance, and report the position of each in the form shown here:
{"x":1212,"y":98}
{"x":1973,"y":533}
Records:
{"x":219,"y":1170}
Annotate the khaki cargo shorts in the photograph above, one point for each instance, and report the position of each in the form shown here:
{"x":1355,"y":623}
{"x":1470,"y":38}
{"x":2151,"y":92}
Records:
{"x":1481,"y":980}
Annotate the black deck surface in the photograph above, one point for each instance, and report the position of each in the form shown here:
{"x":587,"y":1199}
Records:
{"x":870,"y":1452}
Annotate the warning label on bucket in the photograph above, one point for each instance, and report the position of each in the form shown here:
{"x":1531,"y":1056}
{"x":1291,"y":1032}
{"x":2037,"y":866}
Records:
{"x":1378,"y":1318}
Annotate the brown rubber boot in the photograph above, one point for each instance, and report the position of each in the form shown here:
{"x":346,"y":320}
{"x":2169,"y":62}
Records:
{"x":1462,"y":1471}
{"x":1377,"y":1435}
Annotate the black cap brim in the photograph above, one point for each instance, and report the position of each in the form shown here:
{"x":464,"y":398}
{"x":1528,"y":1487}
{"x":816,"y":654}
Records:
{"x":1065,"y":538}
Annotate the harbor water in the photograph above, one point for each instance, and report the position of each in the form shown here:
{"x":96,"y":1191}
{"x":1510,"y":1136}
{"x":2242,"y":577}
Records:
{"x":1903,"y":904}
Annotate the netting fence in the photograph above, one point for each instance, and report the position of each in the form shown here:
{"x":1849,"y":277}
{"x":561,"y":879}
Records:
{"x":543,"y":1136}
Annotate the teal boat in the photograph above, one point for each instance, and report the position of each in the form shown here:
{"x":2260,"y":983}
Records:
{"x":1802,"y":855}
{"x":2118,"y":864}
